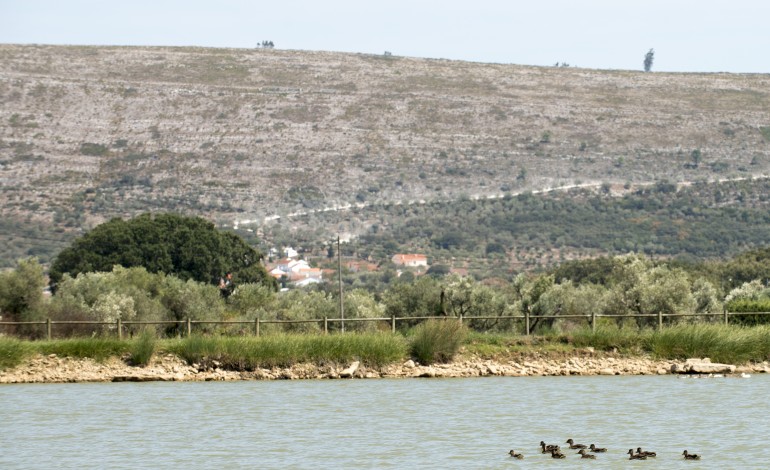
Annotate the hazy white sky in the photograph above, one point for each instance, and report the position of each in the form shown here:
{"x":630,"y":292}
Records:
{"x":687,"y":35}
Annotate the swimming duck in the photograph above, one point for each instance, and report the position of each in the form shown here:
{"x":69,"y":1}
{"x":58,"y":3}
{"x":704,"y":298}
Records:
{"x":513,"y":454}
{"x":572,"y":444}
{"x":597,"y":449}
{"x":688,"y":456}
{"x":548,"y":447}
{"x":586,"y":455}
{"x":633,"y":456}
{"x":557,"y":455}
{"x":646,"y":453}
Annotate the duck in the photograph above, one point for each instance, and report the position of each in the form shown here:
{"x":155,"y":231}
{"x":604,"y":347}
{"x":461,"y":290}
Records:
{"x":548,"y":447}
{"x":688,"y":456}
{"x":593,"y":448}
{"x":633,"y":456}
{"x":513,"y":454}
{"x":586,"y":455}
{"x":572,"y":444}
{"x":646,"y":453}
{"x":557,"y":455}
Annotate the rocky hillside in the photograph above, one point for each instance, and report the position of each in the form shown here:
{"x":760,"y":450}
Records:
{"x":90,"y":133}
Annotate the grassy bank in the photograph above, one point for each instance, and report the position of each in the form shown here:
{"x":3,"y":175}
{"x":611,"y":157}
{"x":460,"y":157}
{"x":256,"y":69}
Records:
{"x":722,"y":343}
{"x":248,"y":353}
{"x":429,"y":343}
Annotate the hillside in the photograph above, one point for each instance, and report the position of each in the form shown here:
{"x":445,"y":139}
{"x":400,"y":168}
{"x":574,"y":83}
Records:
{"x":90,"y":133}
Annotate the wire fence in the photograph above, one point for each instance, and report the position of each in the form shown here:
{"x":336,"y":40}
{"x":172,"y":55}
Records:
{"x":120,"y":327}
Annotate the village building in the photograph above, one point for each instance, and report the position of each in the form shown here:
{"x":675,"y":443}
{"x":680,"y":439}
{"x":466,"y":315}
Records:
{"x":410,"y":260}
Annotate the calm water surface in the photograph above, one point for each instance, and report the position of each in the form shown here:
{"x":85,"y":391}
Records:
{"x":400,"y":423}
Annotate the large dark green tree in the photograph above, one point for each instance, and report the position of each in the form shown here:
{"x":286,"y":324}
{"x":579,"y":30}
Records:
{"x":186,"y":247}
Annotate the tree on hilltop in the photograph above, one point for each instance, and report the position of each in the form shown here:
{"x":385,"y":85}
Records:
{"x":648,"y":58}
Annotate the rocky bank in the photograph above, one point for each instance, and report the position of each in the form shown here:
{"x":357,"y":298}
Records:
{"x":168,"y":367}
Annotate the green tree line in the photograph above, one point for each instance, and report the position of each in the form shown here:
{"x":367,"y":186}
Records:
{"x":624,"y":285}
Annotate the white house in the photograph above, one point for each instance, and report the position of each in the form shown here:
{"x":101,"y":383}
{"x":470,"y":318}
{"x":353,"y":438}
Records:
{"x":410,"y":260}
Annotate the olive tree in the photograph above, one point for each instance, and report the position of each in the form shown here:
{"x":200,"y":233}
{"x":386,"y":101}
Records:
{"x":421,"y":298}
{"x":21,"y":295}
{"x":464,"y":296}
{"x":527,"y":293}
{"x":570,"y":300}
{"x":639,"y":287}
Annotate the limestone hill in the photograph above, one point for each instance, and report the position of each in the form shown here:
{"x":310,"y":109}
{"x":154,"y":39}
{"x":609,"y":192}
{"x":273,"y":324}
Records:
{"x":90,"y":133}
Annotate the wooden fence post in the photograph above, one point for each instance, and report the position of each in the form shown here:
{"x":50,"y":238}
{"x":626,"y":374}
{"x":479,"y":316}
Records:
{"x":526,"y":322}
{"x":189,"y":327}
{"x":461,"y":318}
{"x":726,"y":316}
{"x":392,"y":323}
{"x":593,"y":322}
{"x":256,"y":327}
{"x":660,"y":320}
{"x":120,"y":329}
{"x":48,"y":328}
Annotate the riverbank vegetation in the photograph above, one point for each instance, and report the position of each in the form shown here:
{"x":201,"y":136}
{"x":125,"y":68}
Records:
{"x":431,"y":342}
{"x":283,"y":350}
{"x":629,"y":290}
{"x":632,"y":304}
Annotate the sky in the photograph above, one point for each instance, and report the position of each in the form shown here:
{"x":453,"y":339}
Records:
{"x":686,"y":35}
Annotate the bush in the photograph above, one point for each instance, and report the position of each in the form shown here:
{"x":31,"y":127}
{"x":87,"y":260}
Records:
{"x":98,"y":349}
{"x":284,"y":350}
{"x":249,"y":299}
{"x":191,"y":299}
{"x":437,"y":340}
{"x":748,"y":306}
{"x":361,"y":304}
{"x":721,"y":343}
{"x":143,"y":348}
{"x":308,"y":307}
{"x":21,"y":294}
{"x":13,"y":351}
{"x":93,"y":150}
{"x":607,"y":338}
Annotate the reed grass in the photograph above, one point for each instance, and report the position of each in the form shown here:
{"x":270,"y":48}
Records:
{"x":13,"y":351}
{"x":143,"y":348}
{"x":430,"y":342}
{"x":437,"y":340}
{"x":609,"y":338}
{"x":282,"y":350}
{"x":98,"y":349}
{"x":722,"y":343}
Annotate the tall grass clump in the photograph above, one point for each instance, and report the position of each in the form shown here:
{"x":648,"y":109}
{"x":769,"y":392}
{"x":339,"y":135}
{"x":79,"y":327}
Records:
{"x":143,"y":348}
{"x":13,"y":351}
{"x":372,"y":349}
{"x":437,"y":340}
{"x":196,"y":348}
{"x":98,"y":349}
{"x":721,"y":343}
{"x":607,"y":338}
{"x":282,"y":350}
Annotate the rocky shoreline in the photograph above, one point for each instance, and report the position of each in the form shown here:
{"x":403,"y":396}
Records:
{"x":168,"y":367}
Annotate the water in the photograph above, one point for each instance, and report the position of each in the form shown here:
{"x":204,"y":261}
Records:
{"x":400,"y":423}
